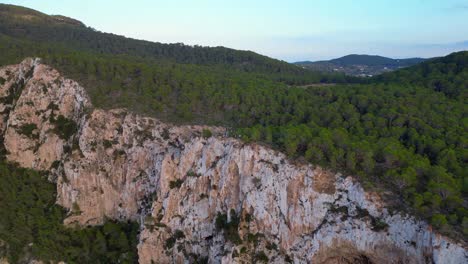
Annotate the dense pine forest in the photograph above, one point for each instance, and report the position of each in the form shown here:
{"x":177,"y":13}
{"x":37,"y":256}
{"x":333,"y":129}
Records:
{"x":404,"y":132}
{"x":31,"y":225}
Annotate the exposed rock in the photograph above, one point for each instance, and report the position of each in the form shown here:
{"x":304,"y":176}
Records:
{"x":214,"y":199}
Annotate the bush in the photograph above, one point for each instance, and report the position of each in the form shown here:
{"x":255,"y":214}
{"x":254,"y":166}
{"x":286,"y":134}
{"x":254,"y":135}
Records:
{"x":271,"y":246}
{"x":27,"y":130}
{"x":191,"y":173}
{"x":76,"y":209}
{"x":221,"y":221}
{"x":175,"y":184}
{"x":170,"y":242}
{"x":165,"y":134}
{"x":55,"y":164}
{"x":230,"y":229}
{"x":107,"y":143}
{"x":179,"y":234}
{"x":261,"y":257}
{"x":64,"y":127}
{"x":206,"y":133}
{"x":379,"y":225}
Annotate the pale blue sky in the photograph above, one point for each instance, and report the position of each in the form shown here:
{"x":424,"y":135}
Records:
{"x":289,"y":29}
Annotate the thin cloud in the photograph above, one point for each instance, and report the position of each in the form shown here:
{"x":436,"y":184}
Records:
{"x":458,"y":7}
{"x":461,"y":6}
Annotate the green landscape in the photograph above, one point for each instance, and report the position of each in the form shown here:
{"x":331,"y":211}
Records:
{"x":403,"y":132}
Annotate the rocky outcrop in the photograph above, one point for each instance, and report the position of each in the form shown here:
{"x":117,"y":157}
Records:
{"x":199,"y":197}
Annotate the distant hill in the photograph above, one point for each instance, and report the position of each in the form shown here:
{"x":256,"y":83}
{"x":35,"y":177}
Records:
{"x":360,"y":65}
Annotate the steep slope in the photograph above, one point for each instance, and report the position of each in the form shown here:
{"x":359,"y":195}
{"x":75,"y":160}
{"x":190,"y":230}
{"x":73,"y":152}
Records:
{"x":199,"y":197}
{"x":360,"y":65}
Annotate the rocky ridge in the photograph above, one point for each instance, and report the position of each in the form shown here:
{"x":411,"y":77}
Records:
{"x":198,"y":197}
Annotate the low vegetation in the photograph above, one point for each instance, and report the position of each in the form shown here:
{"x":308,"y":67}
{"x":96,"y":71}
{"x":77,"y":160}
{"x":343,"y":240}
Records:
{"x":28,"y":130}
{"x":230,"y":228}
{"x":64,"y":127}
{"x":176,"y":184}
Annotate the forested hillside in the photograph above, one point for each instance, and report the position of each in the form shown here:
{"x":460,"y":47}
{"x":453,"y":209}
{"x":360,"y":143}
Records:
{"x":448,"y":75}
{"x":27,"y":24}
{"x":405,"y":132}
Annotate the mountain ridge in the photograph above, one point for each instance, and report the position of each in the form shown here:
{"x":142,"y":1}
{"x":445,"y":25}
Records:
{"x":16,"y":20}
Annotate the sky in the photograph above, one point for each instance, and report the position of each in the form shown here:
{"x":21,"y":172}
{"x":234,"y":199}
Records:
{"x":290,"y":30}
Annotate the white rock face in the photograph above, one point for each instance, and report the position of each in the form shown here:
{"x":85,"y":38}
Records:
{"x":180,"y":186}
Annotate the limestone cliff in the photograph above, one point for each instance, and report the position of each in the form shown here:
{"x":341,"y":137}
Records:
{"x":216,"y":199}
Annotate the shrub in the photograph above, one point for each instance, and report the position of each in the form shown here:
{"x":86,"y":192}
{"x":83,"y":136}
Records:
{"x":206,"y":133}
{"x":75,"y":209}
{"x":179,"y":234}
{"x":271,"y":246}
{"x":170,"y":242}
{"x":221,"y":221}
{"x":191,"y":173}
{"x":64,"y":127}
{"x":257,"y":182}
{"x":55,"y":164}
{"x":230,"y":228}
{"x":52,"y":106}
{"x":107,"y":143}
{"x":175,"y":184}
{"x":149,"y":221}
{"x":248,"y":217}
{"x":27,"y":130}
{"x":261,"y":257}
{"x":379,"y":225}
{"x":165,"y":134}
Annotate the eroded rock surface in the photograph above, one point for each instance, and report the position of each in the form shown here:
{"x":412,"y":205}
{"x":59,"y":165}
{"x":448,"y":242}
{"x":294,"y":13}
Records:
{"x":199,"y":199}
